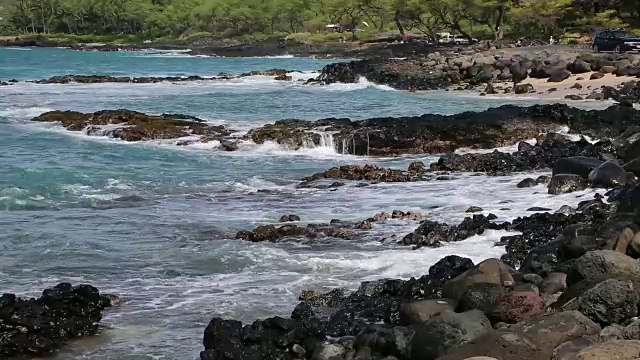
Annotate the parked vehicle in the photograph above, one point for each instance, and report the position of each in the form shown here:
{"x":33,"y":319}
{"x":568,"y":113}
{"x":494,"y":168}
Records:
{"x":447,"y":38}
{"x":461,"y":40}
{"x":615,"y":40}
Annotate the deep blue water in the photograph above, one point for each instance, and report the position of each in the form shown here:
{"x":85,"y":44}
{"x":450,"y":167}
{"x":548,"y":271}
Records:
{"x":155,"y":223}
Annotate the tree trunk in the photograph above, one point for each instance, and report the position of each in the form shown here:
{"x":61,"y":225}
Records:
{"x":399,"y":24}
{"x":499,"y":29}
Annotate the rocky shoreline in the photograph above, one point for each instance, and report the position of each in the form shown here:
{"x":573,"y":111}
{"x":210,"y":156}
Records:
{"x":566,"y":287}
{"x":39,"y":327}
{"x":493,"y":72}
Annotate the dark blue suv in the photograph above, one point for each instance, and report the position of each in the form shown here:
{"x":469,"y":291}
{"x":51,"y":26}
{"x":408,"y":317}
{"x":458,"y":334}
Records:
{"x":615,"y":40}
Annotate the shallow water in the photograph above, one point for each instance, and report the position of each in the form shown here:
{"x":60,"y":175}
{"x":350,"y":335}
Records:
{"x":155,"y":223}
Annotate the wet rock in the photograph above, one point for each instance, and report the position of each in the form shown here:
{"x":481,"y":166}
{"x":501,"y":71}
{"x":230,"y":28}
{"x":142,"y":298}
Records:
{"x":528,"y":182}
{"x":283,"y":78}
{"x":538,"y":208}
{"x":609,"y":174}
{"x":434,"y":234}
{"x":473,"y":209}
{"x":416,"y":166}
{"x":566,"y":210}
{"x":517,"y":306}
{"x":135,"y":126}
{"x":39,"y":327}
{"x":289,"y":218}
{"x":578,"y":165}
{"x":266,"y":339}
{"x":609,"y":302}
{"x":95,"y":79}
{"x":228,"y":145}
{"x":566,"y":183}
{"x":491,"y":271}
{"x":607,"y":263}
{"x":543,"y":179}
{"x":365,"y":173}
{"x":574,"y":97}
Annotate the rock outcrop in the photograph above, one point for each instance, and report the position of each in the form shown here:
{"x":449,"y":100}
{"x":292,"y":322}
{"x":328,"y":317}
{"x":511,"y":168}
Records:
{"x":38,"y":327}
{"x":134,"y":126}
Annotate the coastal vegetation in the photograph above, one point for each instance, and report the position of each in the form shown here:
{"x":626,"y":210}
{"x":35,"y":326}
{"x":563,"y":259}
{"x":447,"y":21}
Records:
{"x":305,"y":20}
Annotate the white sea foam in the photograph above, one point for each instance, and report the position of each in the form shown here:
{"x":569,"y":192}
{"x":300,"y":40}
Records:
{"x":22,"y":114}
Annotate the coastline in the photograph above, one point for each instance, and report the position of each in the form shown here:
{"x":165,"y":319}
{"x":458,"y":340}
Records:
{"x":564,"y":282}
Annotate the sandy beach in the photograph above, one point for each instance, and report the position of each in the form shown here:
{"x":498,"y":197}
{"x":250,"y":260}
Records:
{"x":579,"y":85}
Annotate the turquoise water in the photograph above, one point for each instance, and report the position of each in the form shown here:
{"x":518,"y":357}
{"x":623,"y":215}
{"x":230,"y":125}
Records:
{"x":154,"y":222}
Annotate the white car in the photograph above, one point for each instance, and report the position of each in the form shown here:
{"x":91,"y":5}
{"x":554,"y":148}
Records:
{"x":461,"y":40}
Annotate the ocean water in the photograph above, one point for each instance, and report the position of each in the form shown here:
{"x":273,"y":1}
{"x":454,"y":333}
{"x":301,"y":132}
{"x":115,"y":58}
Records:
{"x":155,"y":223}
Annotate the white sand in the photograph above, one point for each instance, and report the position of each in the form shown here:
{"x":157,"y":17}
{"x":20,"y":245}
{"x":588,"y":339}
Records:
{"x":566,"y":87}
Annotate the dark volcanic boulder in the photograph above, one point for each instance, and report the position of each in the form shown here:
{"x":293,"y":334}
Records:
{"x":528,"y":182}
{"x":566,"y":183}
{"x":368,"y":173}
{"x":434,"y":234}
{"x":559,"y":75}
{"x":39,"y":327}
{"x":610,"y":302}
{"x":523,"y":89}
{"x":519,"y":72}
{"x":609,"y":174}
{"x":578,"y":165}
{"x":579,"y":66}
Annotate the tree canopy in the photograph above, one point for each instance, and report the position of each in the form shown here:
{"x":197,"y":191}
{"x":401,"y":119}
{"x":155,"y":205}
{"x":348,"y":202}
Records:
{"x":490,"y":19}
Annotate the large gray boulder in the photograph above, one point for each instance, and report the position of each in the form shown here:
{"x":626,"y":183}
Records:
{"x":519,"y":72}
{"x":609,"y":302}
{"x":446,"y":332}
{"x":422,"y":311}
{"x":579,"y":66}
{"x":530,"y":340}
{"x":601,"y":264}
